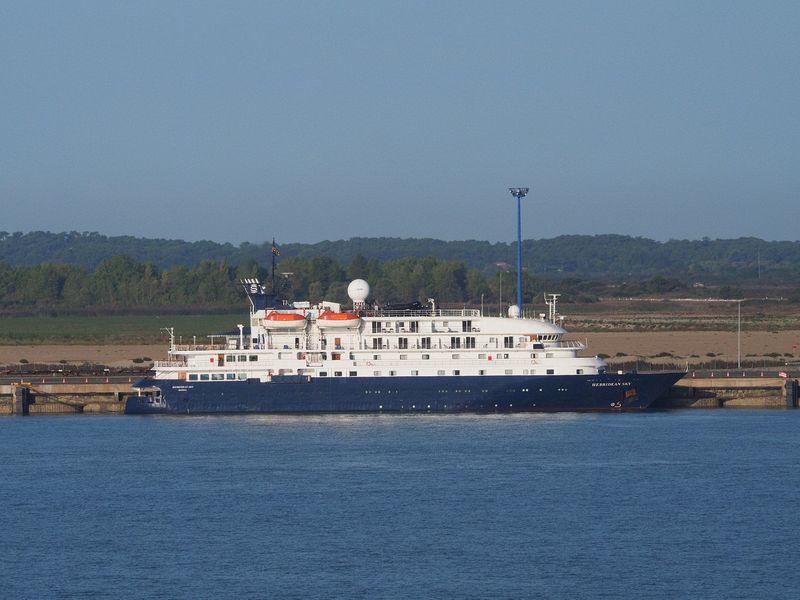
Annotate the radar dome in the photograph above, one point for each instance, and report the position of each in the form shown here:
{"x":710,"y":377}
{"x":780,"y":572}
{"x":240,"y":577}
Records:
{"x":358,"y":290}
{"x":513,"y":311}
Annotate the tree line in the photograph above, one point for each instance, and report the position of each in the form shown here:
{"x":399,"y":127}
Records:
{"x":122,"y":283}
{"x":606,"y":258}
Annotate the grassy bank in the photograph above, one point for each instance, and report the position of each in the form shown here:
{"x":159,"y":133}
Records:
{"x":110,"y":329}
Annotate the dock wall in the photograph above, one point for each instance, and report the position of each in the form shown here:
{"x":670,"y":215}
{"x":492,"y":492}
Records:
{"x":732,"y":392}
{"x":25,"y":398}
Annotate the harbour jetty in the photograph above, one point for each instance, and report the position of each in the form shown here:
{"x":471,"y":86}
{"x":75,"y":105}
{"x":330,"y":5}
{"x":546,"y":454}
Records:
{"x":732,"y":389}
{"x":106,"y":395}
{"x":28,"y":396}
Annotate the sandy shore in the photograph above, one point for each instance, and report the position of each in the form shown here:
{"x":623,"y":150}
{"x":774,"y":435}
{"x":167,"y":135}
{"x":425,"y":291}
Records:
{"x":681,"y":344}
{"x":686,"y":343}
{"x":110,"y":355}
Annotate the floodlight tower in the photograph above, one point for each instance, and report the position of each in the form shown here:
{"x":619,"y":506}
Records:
{"x":519,"y":194}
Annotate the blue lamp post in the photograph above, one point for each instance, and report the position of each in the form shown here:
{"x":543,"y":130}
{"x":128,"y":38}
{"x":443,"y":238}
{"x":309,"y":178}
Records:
{"x":519,"y":194}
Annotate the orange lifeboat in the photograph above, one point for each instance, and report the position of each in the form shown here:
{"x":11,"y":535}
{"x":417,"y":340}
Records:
{"x":338,"y":320}
{"x":285,"y":321}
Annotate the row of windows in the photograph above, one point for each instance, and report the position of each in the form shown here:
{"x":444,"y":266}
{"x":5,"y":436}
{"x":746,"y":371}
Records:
{"x":413,"y":326}
{"x":217,"y":376}
{"x":230,"y":358}
{"x":440,"y":372}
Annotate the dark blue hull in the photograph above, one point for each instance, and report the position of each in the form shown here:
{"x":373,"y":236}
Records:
{"x":548,"y":393}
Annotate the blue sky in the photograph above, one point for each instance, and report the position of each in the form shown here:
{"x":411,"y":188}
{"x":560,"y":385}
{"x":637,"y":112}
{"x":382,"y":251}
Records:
{"x":240,"y":121}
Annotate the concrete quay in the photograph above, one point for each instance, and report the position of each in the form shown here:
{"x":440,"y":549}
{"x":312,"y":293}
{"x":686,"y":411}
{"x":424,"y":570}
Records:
{"x":730,"y":391}
{"x":26,"y":397}
{"x":30,"y":398}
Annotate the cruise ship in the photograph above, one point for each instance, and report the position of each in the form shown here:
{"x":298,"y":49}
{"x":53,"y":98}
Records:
{"x":301,"y":357}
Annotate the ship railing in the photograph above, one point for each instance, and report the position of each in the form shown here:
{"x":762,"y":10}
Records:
{"x":439,"y":312}
{"x":162,"y":364}
{"x":565,"y":344}
{"x":198,"y":347}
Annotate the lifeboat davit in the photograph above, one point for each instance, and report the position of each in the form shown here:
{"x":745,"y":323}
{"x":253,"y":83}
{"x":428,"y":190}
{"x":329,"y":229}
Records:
{"x":338,"y":320}
{"x":284,"y":321}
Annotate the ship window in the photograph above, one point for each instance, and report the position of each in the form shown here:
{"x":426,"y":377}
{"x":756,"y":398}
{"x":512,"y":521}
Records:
{"x":549,"y":355}
{"x":509,"y":372}
{"x":425,"y":343}
{"x":414,"y":326}
{"x":253,"y":357}
{"x":241,"y":376}
{"x":482,"y":356}
{"x":242,"y":358}
{"x":192,"y":376}
{"x":456,"y":372}
{"x":334,"y":356}
{"x":426,"y":356}
{"x":376,"y":327}
{"x":469,"y":342}
{"x":482,"y":372}
{"x":525,"y":371}
{"x":404,"y":357}
{"x":376,"y":373}
{"x":579,"y":372}
{"x":377,"y":344}
{"x":231,"y":358}
{"x":415,"y":372}
{"x":230,"y":376}
{"x":323,"y":373}
{"x":337,"y":373}
{"x":353,"y":373}
{"x":203,"y":376}
{"x":456,"y":356}
{"x":551,"y":371}
{"x":455,"y":342}
{"x":217,"y":376}
{"x":440,"y":372}
{"x":376,"y":357}
{"x":402,"y":343}
{"x":508,"y":341}
{"x":533,"y":354}
{"x":466,"y":325}
{"x":505,"y":355}
{"x":392,"y":372}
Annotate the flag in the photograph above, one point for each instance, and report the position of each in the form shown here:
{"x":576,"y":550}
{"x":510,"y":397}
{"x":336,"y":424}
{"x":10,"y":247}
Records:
{"x":275,"y":250}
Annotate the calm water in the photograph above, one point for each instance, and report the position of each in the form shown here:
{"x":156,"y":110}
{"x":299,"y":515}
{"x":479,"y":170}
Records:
{"x":700,"y":504}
